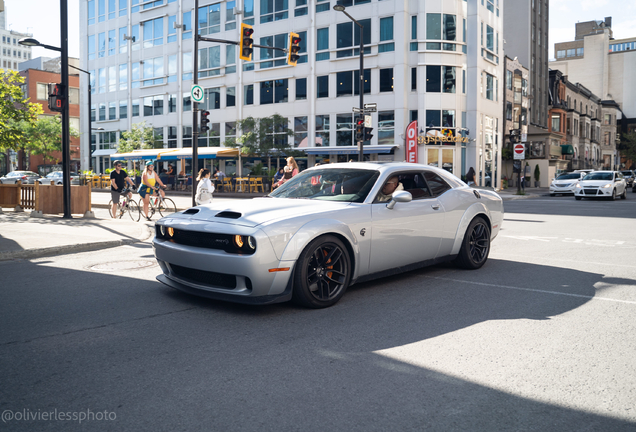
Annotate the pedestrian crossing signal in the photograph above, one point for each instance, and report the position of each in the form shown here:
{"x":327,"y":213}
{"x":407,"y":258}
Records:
{"x":246,"y":42}
{"x":294,"y":49}
{"x":57,"y":101}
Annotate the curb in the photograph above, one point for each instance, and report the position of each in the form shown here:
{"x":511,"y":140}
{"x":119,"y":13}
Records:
{"x":70,"y":249}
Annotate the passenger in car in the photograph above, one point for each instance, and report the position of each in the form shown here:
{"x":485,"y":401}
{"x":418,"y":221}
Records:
{"x":391,"y":186}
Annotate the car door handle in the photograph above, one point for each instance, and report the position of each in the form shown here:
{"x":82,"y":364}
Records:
{"x":435,"y":206}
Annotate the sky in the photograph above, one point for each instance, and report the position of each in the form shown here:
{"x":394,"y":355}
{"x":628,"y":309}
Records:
{"x":41,"y":17}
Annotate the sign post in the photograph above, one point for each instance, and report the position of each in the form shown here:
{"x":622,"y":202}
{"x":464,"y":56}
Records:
{"x":519,"y":150}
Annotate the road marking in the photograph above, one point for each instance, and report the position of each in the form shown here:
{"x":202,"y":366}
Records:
{"x":543,"y":239}
{"x":587,"y":242}
{"x":533,"y":290}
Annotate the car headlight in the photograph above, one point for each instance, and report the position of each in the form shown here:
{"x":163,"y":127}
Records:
{"x":245,"y":242}
{"x":578,"y":186}
{"x":609,"y":185}
{"x":162,"y":229}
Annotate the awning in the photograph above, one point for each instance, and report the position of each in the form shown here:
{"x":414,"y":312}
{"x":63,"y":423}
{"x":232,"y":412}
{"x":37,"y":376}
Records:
{"x":368,"y":149}
{"x":104,"y":152}
{"x":202,"y":152}
{"x":143,"y":154}
{"x":567,"y":149}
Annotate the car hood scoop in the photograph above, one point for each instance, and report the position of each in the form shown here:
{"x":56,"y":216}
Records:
{"x":259,"y":211}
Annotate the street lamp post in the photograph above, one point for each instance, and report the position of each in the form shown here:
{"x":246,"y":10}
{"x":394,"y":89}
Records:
{"x":341,"y":8}
{"x":90,"y":159}
{"x":66,"y":151}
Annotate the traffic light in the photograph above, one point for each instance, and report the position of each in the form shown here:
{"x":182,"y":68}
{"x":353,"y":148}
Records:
{"x":360,"y":129}
{"x":367,"y":134}
{"x":57,"y":102}
{"x":205,"y":121}
{"x":294,"y":48}
{"x":246,"y":42}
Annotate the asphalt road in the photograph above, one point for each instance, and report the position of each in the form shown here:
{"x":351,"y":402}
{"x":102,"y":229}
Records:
{"x":540,"y":339}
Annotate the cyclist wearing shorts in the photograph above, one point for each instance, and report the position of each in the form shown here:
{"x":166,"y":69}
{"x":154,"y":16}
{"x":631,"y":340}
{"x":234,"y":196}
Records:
{"x":148,"y":180}
{"x":118,"y":179}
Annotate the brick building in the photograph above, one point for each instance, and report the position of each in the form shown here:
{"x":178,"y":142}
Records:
{"x":36,"y":89}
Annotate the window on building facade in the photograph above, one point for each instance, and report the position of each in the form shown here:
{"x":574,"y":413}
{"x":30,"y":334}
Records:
{"x":300,"y":131}
{"x":112,"y":110}
{"x":386,"y":127}
{"x":210,"y":19}
{"x":230,"y":96}
{"x":509,"y":111}
{"x":386,"y":80}
{"x":279,"y":41}
{"x":101,"y":11}
{"x":301,"y":88}
{"x":187,"y":66}
{"x":210,"y":61}
{"x":135,"y":108}
{"x":91,"y":12}
{"x":153,"y":105}
{"x":230,"y":18}
{"x":172,"y":137}
{"x":152,"y":3}
{"x":153,"y":32}
{"x":101,"y":80}
{"x":273,"y":10}
{"x":112,"y":78}
{"x":322,"y":86}
{"x":322,"y":44}
{"x":248,"y":94}
{"x":344,"y":129}
{"x":441,"y":27}
{"x":386,"y":35}
{"x":301,"y":8}
{"x":153,"y":71}
{"x":322,"y":130}
{"x":101,"y":44}
{"x":102,"y":111}
{"x":134,"y":75}
{"x":414,"y":78}
{"x":347,"y":36}
{"x":187,"y":25}
{"x":322,"y":5}
{"x":414,"y":45}
{"x":212,"y":98}
{"x":123,"y":109}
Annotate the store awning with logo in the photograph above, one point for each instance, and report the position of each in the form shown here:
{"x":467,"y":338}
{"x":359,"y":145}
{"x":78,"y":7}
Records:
{"x":203,"y":153}
{"x":567,"y":149}
{"x":368,"y":149}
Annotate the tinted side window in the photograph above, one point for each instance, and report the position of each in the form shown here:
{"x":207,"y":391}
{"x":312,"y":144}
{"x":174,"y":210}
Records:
{"x":436,"y":184}
{"x":415,"y":184}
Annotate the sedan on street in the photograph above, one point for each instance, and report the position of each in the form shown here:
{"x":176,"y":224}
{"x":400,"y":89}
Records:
{"x":565,"y":183}
{"x":57,"y":177}
{"x":26,"y":177}
{"x":601,"y":184}
{"x":629,"y":177}
{"x":325,"y":229}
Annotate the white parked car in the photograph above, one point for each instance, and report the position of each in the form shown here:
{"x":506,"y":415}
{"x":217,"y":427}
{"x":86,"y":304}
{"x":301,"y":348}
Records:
{"x":565,"y":183}
{"x":56,"y":176}
{"x":601,"y":184}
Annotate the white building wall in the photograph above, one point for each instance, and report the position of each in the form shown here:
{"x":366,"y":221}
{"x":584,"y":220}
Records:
{"x":402,"y":100}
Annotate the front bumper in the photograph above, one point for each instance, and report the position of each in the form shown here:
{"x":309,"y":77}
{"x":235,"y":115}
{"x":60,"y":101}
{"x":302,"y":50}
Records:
{"x":557,"y":189}
{"x":217,"y":274}
{"x":594,"y":191}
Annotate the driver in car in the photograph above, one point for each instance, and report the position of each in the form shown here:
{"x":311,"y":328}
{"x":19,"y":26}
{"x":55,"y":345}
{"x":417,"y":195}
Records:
{"x":391,"y":186}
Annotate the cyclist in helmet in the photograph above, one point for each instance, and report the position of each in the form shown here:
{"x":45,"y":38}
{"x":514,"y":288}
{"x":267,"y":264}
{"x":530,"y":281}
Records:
{"x":148,"y":180}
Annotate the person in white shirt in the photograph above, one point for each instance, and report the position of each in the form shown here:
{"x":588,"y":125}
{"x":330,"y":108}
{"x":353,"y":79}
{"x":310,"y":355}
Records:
{"x":205,"y":188}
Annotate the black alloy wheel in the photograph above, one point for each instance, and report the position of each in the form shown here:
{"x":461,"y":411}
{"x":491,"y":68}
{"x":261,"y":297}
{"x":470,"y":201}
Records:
{"x":475,"y":246}
{"x":322,"y":273}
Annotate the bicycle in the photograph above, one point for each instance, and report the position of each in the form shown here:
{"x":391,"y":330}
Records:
{"x":125,"y":205}
{"x":158,"y":203}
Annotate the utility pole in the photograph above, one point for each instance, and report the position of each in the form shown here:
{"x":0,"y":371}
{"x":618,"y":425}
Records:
{"x":66,"y":150}
{"x":195,"y":106}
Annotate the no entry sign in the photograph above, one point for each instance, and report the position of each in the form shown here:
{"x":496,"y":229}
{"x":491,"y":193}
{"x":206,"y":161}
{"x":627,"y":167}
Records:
{"x":520,"y":151}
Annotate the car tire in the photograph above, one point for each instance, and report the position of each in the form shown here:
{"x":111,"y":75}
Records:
{"x":322,"y":274}
{"x":475,"y":246}
{"x":613,"y":197}
{"x":578,"y":198}
{"x":624,"y":195}
{"x":552,"y":194}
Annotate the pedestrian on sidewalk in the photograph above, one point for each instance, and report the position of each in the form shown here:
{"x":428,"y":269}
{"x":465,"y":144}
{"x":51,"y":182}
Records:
{"x":205,"y":188}
{"x":470,"y":177}
{"x":522,"y":181}
{"x":118,"y":179}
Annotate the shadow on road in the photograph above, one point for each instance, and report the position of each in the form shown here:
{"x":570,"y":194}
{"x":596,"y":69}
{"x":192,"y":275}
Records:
{"x":166,"y":360}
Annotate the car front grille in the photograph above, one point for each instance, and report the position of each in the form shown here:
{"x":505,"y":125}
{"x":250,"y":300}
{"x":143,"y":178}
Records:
{"x":218,"y":280}
{"x":206,"y":240}
{"x":562,"y":185}
{"x":590,"y":191}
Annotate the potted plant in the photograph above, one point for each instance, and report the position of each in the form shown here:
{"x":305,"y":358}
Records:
{"x":537,"y":175}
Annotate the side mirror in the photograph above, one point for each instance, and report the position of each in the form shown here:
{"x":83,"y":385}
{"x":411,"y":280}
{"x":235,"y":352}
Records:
{"x":401,"y":196}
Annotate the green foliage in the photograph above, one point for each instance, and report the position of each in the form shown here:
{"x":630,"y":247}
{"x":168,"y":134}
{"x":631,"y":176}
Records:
{"x":537,"y":172}
{"x":628,"y":148}
{"x":263,"y":137}
{"x":257,"y":169}
{"x":44,"y":137}
{"x":140,"y":137}
{"x":14,"y":109}
{"x":506,"y":153}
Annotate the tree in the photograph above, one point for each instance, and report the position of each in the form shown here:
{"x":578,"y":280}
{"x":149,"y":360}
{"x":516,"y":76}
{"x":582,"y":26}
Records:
{"x":627,"y":148}
{"x":263,"y":137}
{"x":139,"y":138}
{"x":14,"y":108}
{"x":44,"y":137}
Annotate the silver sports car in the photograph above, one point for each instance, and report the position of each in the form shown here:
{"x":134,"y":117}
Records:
{"x":325,"y":229}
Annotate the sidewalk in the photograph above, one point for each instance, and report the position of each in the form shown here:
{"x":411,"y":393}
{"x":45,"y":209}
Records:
{"x":24,"y":237}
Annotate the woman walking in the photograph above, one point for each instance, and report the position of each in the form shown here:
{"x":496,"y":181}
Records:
{"x":205,"y":188}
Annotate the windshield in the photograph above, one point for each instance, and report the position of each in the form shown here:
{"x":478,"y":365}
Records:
{"x":627,"y":173}
{"x":329,"y":184}
{"x":599,"y":176}
{"x":569,"y":176}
